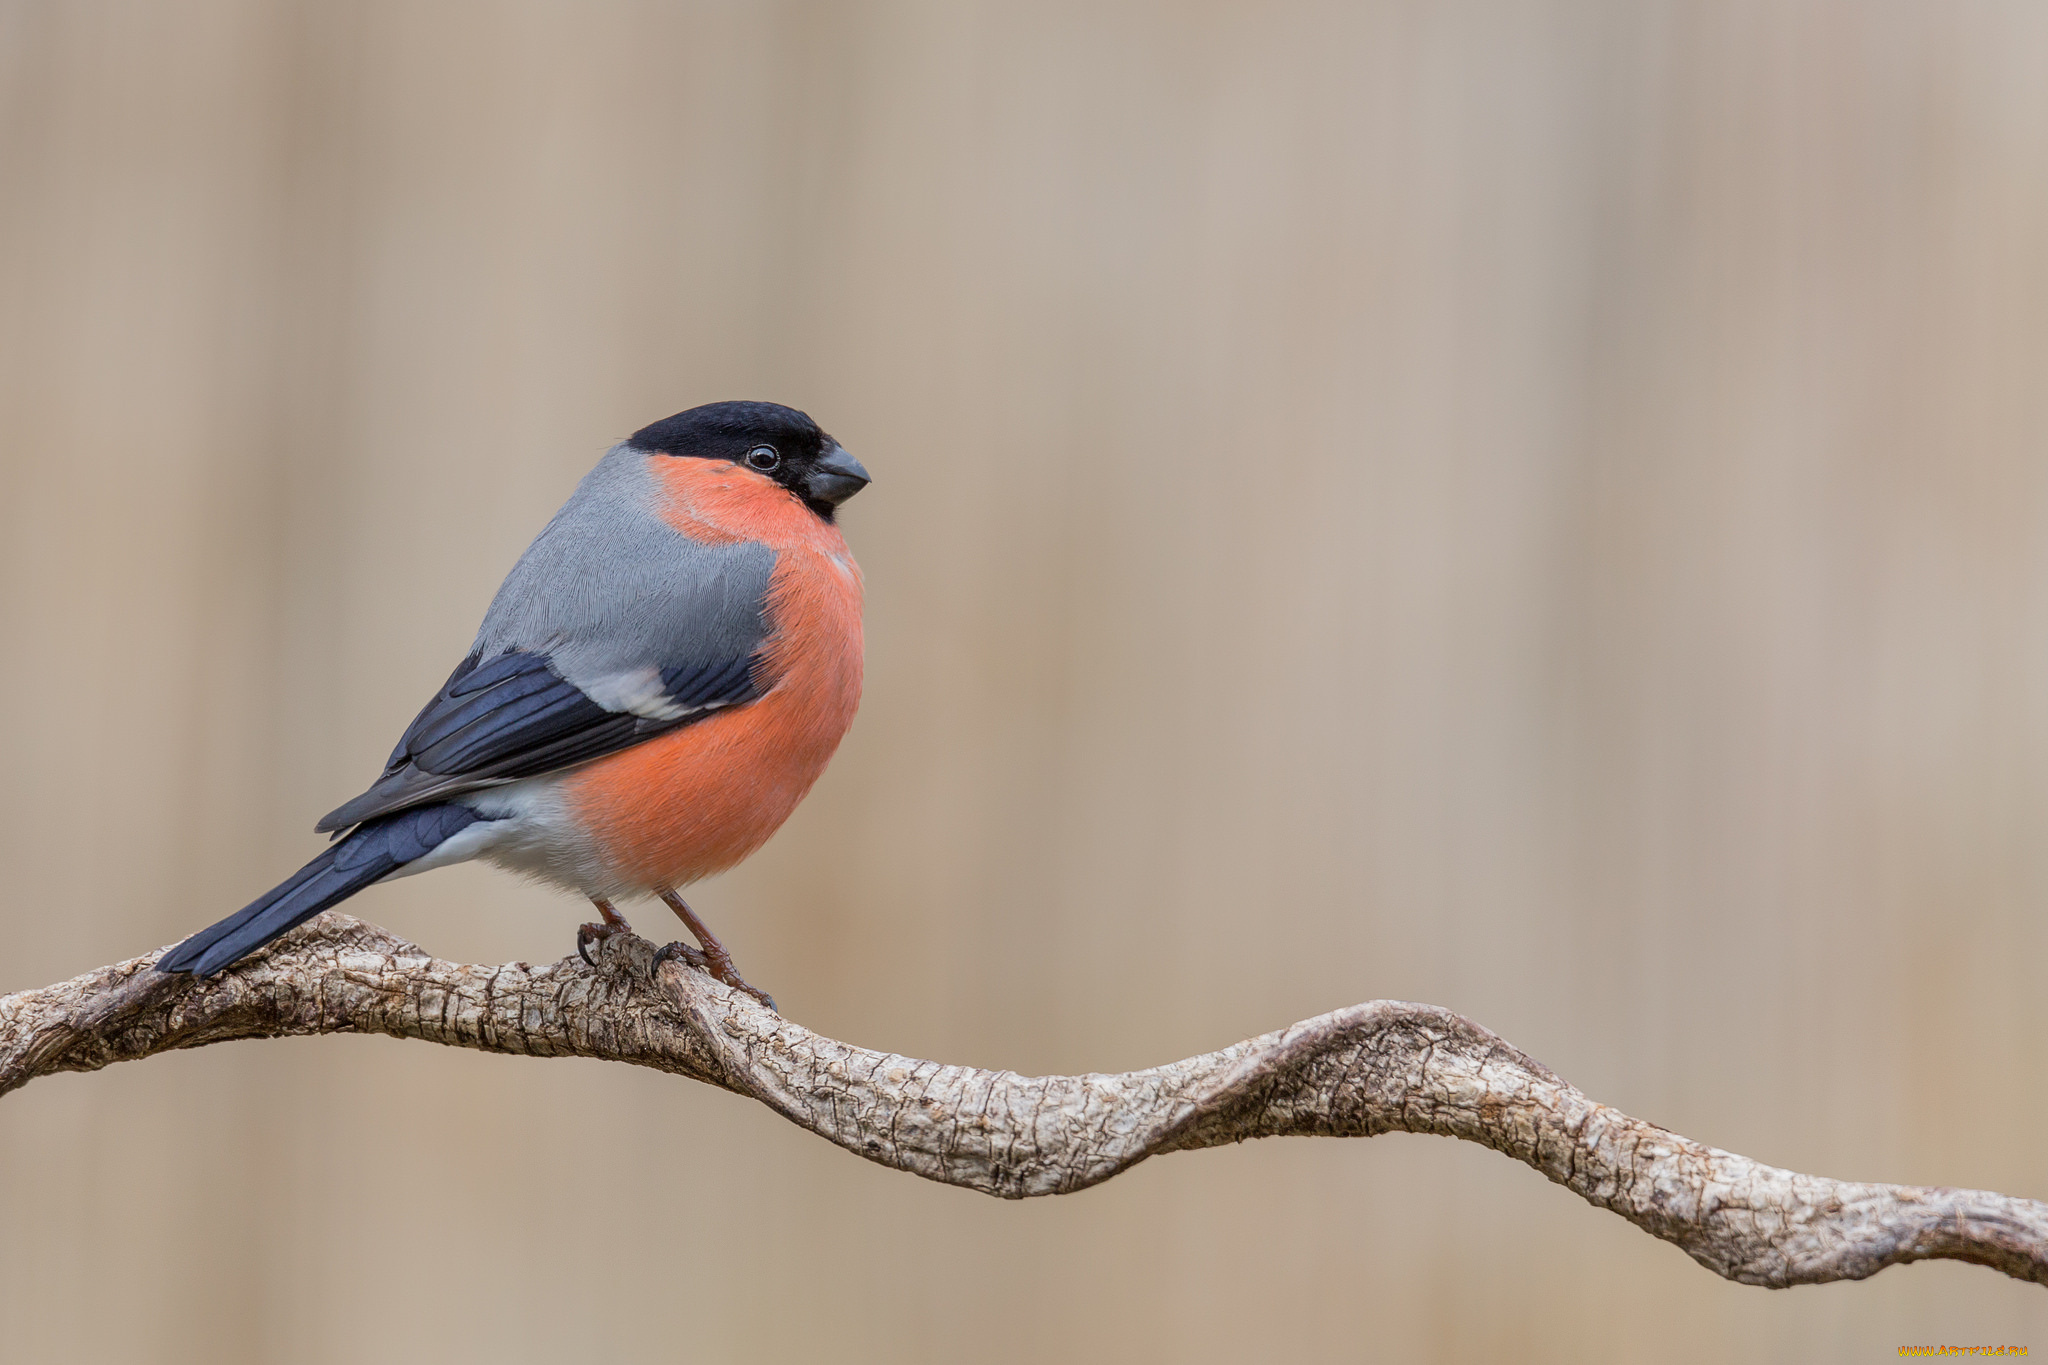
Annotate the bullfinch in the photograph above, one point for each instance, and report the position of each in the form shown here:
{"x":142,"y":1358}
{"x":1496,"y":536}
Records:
{"x":663,"y":675}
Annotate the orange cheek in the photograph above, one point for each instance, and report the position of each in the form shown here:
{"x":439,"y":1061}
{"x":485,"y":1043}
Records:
{"x":719,"y":503}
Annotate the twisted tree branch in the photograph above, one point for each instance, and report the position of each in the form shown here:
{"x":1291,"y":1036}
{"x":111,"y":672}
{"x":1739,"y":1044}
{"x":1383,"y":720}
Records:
{"x":1375,"y":1068}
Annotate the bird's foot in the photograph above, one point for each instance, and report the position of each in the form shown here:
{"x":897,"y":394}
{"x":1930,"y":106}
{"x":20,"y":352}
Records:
{"x":597,"y":931}
{"x":587,"y":934}
{"x":713,"y":957}
{"x":715,"y":963}
{"x":673,"y":951}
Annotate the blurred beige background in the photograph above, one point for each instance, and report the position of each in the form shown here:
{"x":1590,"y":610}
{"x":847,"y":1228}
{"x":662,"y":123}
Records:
{"x":1541,"y":508}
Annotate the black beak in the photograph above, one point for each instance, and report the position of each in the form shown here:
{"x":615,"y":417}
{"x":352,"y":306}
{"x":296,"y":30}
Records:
{"x":836,"y":477}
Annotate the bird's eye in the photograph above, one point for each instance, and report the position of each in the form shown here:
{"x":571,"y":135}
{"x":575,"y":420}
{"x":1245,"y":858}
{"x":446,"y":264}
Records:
{"x":763,"y":458}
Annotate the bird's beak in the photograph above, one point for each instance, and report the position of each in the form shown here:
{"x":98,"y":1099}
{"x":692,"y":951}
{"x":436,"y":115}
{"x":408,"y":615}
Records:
{"x":835,"y":478}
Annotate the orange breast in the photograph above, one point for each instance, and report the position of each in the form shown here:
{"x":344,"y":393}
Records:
{"x":700,"y":799}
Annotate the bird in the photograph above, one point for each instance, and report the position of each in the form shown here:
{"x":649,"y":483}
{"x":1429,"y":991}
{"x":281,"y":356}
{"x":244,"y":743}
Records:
{"x":659,"y":681}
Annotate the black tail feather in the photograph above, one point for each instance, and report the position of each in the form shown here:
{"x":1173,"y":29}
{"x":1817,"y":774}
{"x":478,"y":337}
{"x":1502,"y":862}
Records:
{"x":372,"y":852}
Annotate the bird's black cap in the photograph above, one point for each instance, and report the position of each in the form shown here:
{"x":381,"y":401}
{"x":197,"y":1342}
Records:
{"x":726,"y":431}
{"x":805,"y":460}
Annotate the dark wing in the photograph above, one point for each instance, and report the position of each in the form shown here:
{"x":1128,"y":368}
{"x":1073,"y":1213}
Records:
{"x":514,"y":716}
{"x":612,"y":628}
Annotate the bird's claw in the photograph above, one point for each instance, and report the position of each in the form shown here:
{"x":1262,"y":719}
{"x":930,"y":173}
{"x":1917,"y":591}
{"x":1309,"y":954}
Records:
{"x":593,"y":932}
{"x":717,"y":971}
{"x":670,"y":952}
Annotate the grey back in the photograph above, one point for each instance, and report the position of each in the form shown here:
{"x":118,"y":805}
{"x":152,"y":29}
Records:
{"x":609,"y":591}
{"x":612,"y":628}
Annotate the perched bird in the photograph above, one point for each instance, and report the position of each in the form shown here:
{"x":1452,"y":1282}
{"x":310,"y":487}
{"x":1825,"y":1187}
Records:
{"x":663,"y":675}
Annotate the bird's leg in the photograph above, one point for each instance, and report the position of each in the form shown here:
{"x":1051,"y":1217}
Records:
{"x":598,"y":931}
{"x":714,"y":959}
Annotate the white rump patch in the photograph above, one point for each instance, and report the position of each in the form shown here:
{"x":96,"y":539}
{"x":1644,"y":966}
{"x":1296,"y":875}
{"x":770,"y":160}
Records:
{"x":459,"y":847}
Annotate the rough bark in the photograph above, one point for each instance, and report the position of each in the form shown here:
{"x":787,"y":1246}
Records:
{"x":1369,"y":1069}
